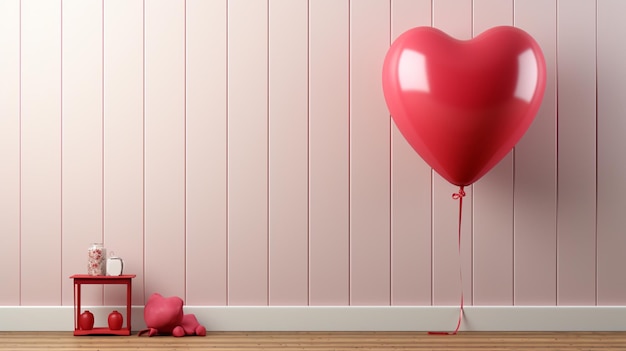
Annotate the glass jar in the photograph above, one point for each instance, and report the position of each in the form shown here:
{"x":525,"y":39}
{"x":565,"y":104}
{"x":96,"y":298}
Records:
{"x":96,"y":259}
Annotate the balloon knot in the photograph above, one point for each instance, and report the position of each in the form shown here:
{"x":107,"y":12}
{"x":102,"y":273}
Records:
{"x":459,"y":195}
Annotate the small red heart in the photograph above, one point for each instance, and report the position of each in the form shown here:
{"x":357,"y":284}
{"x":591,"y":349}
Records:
{"x":463,"y":105}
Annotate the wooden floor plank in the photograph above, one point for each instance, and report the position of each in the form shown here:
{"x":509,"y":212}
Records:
{"x":321,"y":341}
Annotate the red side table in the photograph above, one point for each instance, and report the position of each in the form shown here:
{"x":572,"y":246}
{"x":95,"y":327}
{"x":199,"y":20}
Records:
{"x":80,"y":279}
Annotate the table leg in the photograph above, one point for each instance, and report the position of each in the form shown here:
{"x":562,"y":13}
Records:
{"x":78,"y":294}
{"x":75,"y":314}
{"x":129,"y":305}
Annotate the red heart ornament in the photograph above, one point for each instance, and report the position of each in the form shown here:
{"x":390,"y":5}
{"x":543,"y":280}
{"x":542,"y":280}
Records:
{"x":463,"y":105}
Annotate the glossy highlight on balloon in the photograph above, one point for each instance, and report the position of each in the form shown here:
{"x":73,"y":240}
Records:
{"x":463,"y":105}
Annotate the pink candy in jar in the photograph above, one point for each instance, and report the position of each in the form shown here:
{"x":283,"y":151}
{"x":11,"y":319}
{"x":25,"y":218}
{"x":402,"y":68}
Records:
{"x":96,"y":259}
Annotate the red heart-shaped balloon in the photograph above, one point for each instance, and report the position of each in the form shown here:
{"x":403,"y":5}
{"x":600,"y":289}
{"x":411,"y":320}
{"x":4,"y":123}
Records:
{"x":463,"y":105}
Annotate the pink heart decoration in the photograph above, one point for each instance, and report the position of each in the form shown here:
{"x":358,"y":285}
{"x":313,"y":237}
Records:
{"x":163,"y":313}
{"x":463,"y":105}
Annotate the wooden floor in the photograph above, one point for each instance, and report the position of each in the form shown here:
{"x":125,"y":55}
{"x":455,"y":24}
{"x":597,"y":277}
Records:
{"x":319,"y":341}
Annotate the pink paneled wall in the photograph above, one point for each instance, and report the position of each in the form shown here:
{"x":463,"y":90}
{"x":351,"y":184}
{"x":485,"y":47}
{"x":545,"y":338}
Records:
{"x":610,"y":146}
{"x":328,"y":143}
{"x":240,"y":152}
{"x":288,"y":150}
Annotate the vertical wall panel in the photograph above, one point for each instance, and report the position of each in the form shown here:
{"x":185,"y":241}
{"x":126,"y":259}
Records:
{"x":206,"y":152}
{"x":328,"y":152}
{"x":455,"y":18}
{"x":493,"y":197}
{"x":165,"y":147}
{"x":611,"y":283}
{"x":410,"y":191}
{"x":41,"y":153}
{"x":576,"y":215}
{"x":123,"y":141}
{"x":10,"y":151}
{"x":369,"y":155}
{"x":247,"y":152}
{"x":288,"y":152}
{"x":535,"y":172}
{"x":81,"y":140}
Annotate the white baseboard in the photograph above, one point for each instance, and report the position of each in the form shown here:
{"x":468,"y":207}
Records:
{"x":385,"y":318}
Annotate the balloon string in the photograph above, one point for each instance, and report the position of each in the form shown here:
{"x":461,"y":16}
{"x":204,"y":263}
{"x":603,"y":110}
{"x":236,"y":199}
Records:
{"x":457,"y":196}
